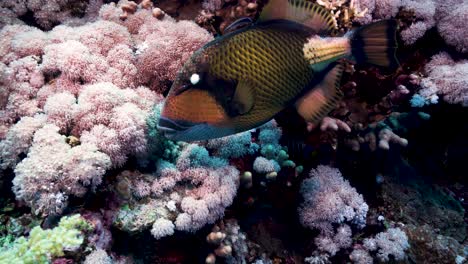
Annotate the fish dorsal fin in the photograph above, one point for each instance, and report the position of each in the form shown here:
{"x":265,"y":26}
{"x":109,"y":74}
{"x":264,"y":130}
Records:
{"x":309,"y":14}
{"x":319,"y":101}
{"x":243,"y":99}
{"x":238,"y":24}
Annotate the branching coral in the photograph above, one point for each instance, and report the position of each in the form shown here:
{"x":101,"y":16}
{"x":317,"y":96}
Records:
{"x":382,"y":134}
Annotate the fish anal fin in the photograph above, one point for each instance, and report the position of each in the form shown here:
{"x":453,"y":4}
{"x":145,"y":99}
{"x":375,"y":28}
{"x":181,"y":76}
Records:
{"x":243,"y":99}
{"x":301,"y":11}
{"x":319,"y":101}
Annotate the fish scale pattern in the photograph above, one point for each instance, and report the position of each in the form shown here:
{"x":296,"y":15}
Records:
{"x":271,"y":58}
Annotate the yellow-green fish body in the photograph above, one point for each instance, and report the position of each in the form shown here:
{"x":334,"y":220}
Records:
{"x":243,"y":79}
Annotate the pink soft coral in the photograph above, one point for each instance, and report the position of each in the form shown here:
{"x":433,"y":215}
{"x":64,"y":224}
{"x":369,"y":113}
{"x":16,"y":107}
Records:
{"x":189,"y":194}
{"x":53,"y":170}
{"x":59,"y":110}
{"x":19,"y":139}
{"x":114,"y":119}
{"x":165,"y":46}
{"x":23,"y":80}
{"x":101,"y":36}
{"x":74,"y":60}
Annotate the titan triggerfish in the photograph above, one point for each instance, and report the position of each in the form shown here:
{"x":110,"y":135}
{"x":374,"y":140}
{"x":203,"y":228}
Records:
{"x":287,"y":58}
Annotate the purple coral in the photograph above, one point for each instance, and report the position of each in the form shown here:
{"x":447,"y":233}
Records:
{"x":332,"y":244}
{"x":424,"y":11}
{"x":447,"y":78}
{"x":330,"y":199}
{"x":392,"y":242}
{"x":452,"y":17}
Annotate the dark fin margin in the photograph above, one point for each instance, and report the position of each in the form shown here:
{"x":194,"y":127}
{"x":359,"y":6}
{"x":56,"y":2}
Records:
{"x":301,"y":11}
{"x":376,"y":43}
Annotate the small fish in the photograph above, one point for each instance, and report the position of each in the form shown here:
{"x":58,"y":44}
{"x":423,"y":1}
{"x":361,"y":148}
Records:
{"x":244,"y":78}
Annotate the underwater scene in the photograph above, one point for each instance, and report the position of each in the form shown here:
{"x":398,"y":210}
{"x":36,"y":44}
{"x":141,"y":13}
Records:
{"x":233,"y":131}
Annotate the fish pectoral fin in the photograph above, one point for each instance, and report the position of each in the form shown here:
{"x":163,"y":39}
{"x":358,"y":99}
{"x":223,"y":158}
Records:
{"x":244,"y":98}
{"x":319,"y":101}
{"x":301,"y":11}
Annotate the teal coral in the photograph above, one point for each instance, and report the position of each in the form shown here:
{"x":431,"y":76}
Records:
{"x":200,"y":157}
{"x":160,"y":146}
{"x":270,"y":148}
{"x":44,"y":245}
{"x":234,"y":146}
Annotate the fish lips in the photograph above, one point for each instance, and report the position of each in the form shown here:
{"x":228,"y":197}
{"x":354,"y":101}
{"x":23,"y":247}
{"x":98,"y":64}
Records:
{"x":179,"y":130}
{"x":170,"y":128}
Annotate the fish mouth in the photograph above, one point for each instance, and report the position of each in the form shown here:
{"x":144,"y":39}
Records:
{"x":170,"y":128}
{"x":180,"y":130}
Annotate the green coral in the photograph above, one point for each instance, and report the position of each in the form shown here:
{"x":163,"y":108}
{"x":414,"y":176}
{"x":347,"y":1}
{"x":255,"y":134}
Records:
{"x":44,"y":245}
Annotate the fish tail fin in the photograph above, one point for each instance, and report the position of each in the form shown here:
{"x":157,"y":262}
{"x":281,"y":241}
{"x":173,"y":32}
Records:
{"x":376,"y":43}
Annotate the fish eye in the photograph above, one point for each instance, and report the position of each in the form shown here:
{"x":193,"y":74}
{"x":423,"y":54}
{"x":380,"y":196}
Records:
{"x":195,"y":78}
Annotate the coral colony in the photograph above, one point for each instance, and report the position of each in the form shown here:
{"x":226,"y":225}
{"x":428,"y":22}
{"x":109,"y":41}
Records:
{"x":87,"y":177}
